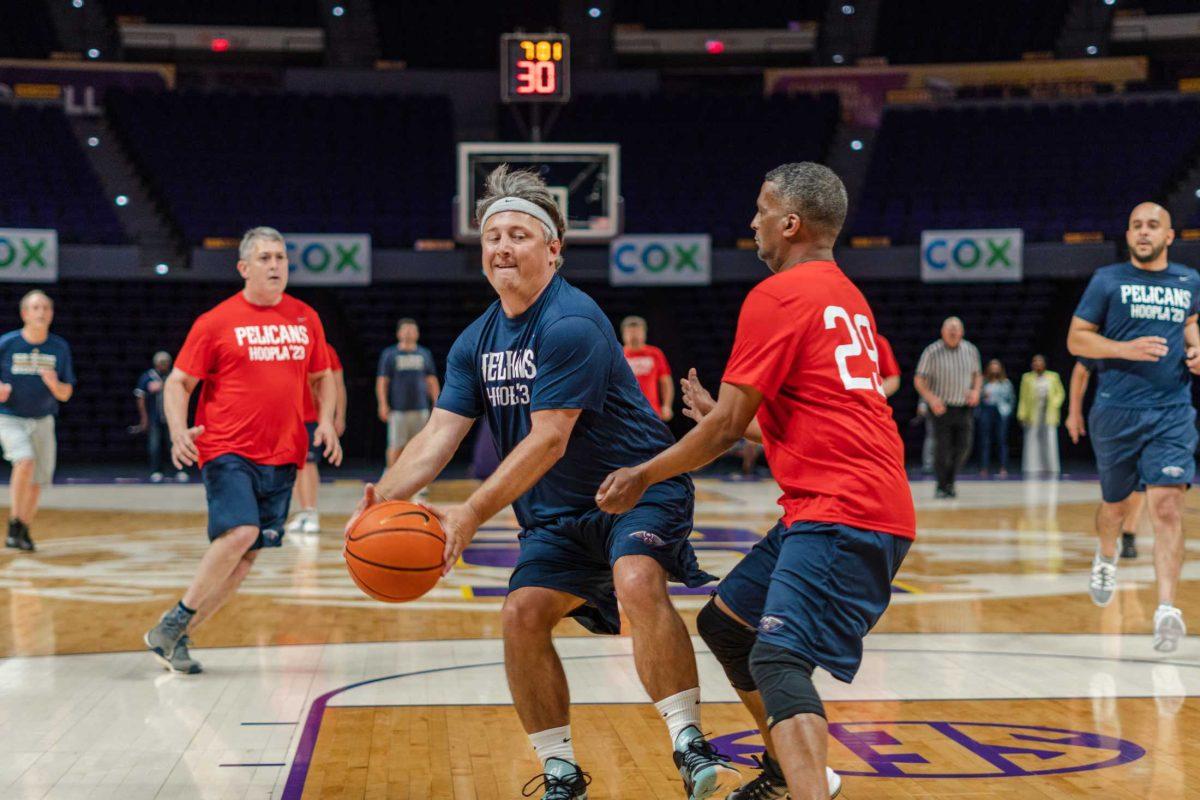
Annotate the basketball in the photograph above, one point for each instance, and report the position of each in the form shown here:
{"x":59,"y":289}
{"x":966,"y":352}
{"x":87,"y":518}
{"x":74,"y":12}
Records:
{"x":394,"y":551}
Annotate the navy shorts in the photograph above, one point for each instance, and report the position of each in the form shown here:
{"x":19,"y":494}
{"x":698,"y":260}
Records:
{"x":1138,"y":447}
{"x":576,"y":554}
{"x":314,"y":452}
{"x":815,"y":589}
{"x":241,"y":492}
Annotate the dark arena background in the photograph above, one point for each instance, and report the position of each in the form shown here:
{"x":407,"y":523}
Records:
{"x":992,"y":153}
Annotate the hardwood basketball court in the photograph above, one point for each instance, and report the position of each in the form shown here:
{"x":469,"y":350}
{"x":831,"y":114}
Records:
{"x":991,"y":676}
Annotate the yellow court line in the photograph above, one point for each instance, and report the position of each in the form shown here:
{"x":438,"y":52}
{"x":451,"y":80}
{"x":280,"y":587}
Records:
{"x":908,"y":587}
{"x":467,"y":592}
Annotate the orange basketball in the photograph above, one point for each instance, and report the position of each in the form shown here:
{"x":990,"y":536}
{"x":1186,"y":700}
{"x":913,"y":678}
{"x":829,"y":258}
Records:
{"x":394,"y":551}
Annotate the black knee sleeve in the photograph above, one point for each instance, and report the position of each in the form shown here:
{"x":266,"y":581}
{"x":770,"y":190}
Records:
{"x":730,"y":642}
{"x":785,"y":682}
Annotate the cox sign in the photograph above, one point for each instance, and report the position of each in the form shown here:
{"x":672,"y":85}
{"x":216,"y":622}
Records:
{"x":318,"y":259}
{"x":666,"y":260}
{"x":980,"y":255}
{"x":28,"y":255}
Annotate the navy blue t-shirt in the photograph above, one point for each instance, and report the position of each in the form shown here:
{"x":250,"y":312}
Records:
{"x":21,"y":365}
{"x":154,"y":400}
{"x":561,"y":353}
{"x":1127,"y":302}
{"x":406,"y":371}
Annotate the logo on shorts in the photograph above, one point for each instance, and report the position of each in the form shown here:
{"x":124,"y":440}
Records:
{"x":769,"y":624}
{"x":1173,"y":472}
{"x":270,"y":537}
{"x":652,"y":539}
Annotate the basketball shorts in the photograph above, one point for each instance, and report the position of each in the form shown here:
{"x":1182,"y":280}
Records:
{"x":1137,"y":447}
{"x":576,"y":554}
{"x":816,"y":589}
{"x":402,"y":426}
{"x":240,"y":492}
{"x":30,"y":438}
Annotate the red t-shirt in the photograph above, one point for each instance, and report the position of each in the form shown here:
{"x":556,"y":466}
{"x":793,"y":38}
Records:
{"x":310,"y":404}
{"x":806,"y":340}
{"x":888,"y":365}
{"x":648,"y":364}
{"x":254,"y":362}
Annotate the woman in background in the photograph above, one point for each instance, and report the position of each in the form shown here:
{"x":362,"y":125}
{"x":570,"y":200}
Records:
{"x":995,"y":411}
{"x":1039,"y":411}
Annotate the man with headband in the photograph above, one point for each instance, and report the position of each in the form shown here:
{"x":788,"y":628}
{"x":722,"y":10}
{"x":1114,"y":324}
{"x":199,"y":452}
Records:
{"x":544,"y":365}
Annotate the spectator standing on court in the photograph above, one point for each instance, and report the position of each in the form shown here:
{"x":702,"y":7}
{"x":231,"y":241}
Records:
{"x":406,"y":387}
{"x":151,"y":420}
{"x":996,"y":403}
{"x":36,"y":374}
{"x":649,"y":366}
{"x":949,"y":378}
{"x":1039,"y":411}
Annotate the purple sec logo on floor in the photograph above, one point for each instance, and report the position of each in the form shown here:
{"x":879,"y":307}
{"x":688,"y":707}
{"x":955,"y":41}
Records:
{"x":934,"y":749}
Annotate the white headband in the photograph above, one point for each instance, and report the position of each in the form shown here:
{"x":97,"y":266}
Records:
{"x":525,"y":207}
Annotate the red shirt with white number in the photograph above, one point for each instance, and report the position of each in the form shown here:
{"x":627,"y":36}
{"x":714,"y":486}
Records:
{"x":254,"y":362}
{"x":648,"y":364}
{"x":806,"y":340}
{"x":888,"y":365}
{"x":310,"y":404}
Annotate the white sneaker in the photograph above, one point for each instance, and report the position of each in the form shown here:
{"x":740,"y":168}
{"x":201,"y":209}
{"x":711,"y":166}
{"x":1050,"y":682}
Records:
{"x":1168,"y":628}
{"x":1103,"y":582}
{"x":835,"y":782}
{"x":156,"y":477}
{"x":312,"y":522}
{"x":296,"y":523}
{"x":181,"y":477}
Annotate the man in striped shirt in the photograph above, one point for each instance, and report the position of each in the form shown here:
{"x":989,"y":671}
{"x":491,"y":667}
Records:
{"x":949,"y":378}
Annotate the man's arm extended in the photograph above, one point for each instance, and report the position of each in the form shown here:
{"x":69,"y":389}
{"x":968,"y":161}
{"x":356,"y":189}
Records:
{"x":1084,"y":340}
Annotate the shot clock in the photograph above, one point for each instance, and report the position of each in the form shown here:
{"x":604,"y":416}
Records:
{"x":535,"y":68}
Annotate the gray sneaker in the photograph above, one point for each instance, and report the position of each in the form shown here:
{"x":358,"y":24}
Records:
{"x":164,"y":637}
{"x":1103,"y":582}
{"x":181,"y":660}
{"x":1168,"y":629}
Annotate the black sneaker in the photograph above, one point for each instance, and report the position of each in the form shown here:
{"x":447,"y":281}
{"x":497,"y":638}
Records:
{"x":767,"y":786}
{"x":18,"y":536}
{"x":562,"y":780}
{"x":1128,"y":545}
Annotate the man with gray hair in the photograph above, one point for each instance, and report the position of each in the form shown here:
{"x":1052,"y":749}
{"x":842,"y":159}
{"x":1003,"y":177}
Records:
{"x":36,"y":374}
{"x":544,"y":366}
{"x":148,"y":393}
{"x":254,"y":353}
{"x":949,"y":377}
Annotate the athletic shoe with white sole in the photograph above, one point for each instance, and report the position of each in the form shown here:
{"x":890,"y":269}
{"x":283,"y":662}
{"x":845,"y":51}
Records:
{"x":705,"y":772}
{"x":1168,"y":628}
{"x":1104,"y":580}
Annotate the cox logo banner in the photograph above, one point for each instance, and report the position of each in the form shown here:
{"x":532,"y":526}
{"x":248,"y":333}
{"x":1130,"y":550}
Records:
{"x":28,"y":255}
{"x":320,"y":259}
{"x":981,"y":255}
{"x":666,"y":260}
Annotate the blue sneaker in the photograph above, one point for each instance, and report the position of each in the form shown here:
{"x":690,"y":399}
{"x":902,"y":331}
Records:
{"x":562,"y":780}
{"x":705,"y":772}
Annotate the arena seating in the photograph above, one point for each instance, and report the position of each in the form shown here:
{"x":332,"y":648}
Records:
{"x":934,"y":31}
{"x":26,"y":31}
{"x":46,"y":181}
{"x":692,"y":163}
{"x":1046,"y":168}
{"x":224,"y":162}
{"x":716,"y":14}
{"x":273,"y":13}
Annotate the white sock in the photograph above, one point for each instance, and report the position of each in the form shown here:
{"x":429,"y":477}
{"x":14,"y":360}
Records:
{"x":1106,"y":559}
{"x":553,"y":743}
{"x":679,"y":711}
